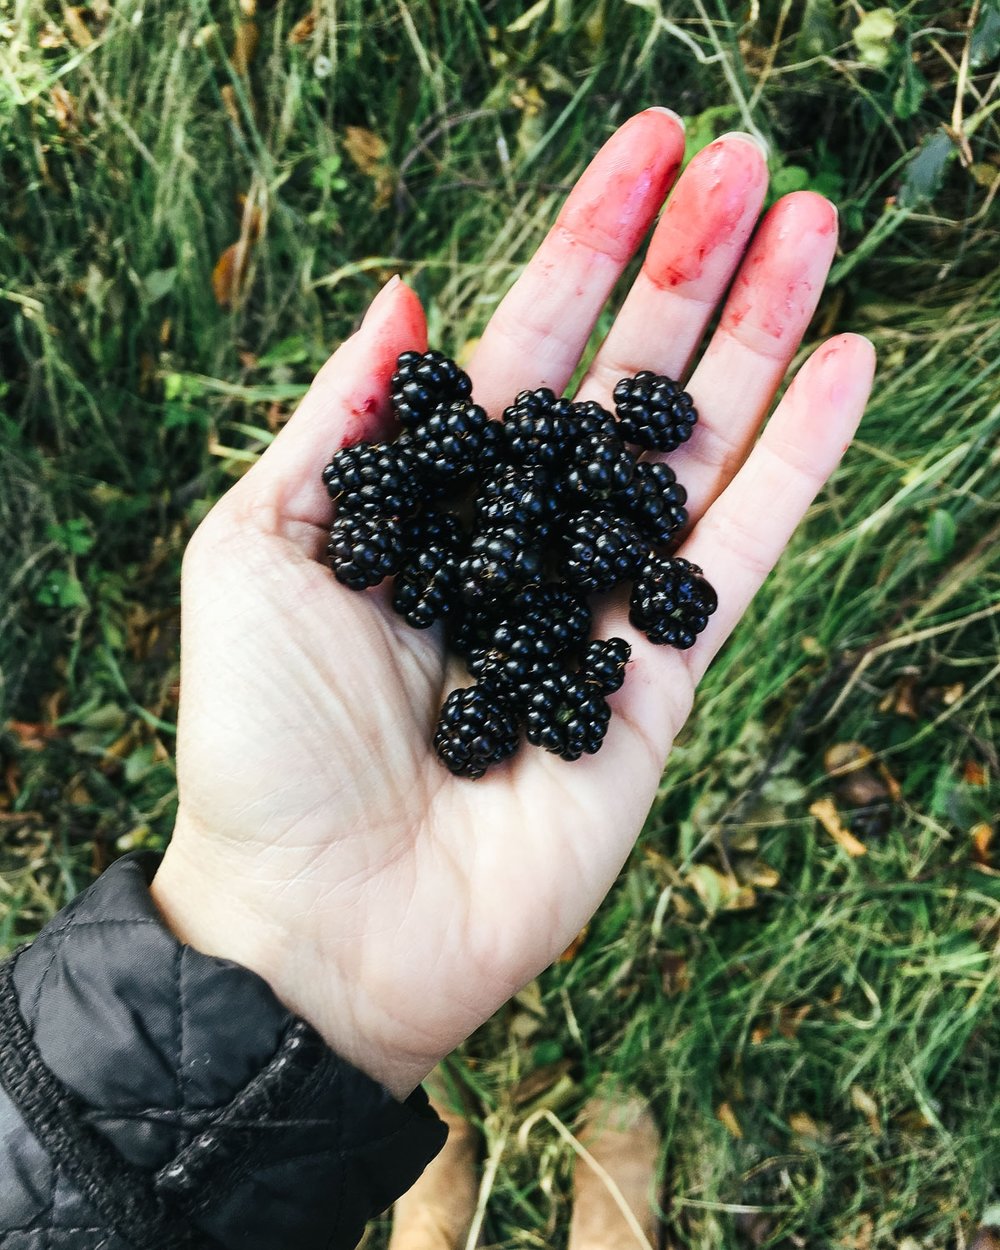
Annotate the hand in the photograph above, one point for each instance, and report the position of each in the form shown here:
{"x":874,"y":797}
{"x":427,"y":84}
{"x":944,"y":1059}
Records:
{"x":318,"y":840}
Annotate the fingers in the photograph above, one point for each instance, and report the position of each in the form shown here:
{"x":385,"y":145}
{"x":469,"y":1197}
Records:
{"x":541,"y":327}
{"x":739,"y":539}
{"x":348,"y":401}
{"x":768,"y":310}
{"x":691,"y":259}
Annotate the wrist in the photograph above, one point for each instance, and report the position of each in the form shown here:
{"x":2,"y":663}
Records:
{"x":212,"y":906}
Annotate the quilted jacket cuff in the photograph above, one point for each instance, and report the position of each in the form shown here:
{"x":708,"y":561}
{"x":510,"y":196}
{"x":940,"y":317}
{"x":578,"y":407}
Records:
{"x":222,"y":1115}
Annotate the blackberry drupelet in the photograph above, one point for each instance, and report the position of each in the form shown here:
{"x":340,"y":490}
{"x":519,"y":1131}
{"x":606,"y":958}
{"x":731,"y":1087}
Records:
{"x":655,"y":500}
{"x":604,"y":663}
{"x":372,"y":478}
{"x":365,"y":549}
{"x":476,"y":728}
{"x":653,"y":411}
{"x":567,"y":715}
{"x":600,"y":550}
{"x":598,"y":459}
{"x":422,"y":381}
{"x":671,"y":602}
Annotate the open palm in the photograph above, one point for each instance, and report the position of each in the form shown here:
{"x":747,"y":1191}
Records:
{"x":319,"y":840}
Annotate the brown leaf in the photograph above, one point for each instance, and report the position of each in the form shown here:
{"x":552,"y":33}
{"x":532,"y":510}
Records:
{"x":790,"y":1019}
{"x":826,"y":813}
{"x":571,"y":951}
{"x":304,"y":28}
{"x":973,"y":773}
{"x":64,"y":107}
{"x":247,"y":38}
{"x":674,"y":974}
{"x":982,"y":843}
{"x":726,"y":1116}
{"x":364,"y":147}
{"x":804,"y":1125}
{"x":228,"y":275}
{"x":537,"y":1082}
{"x":32,"y":735}
{"x":862,"y":1101}
{"x":50,"y":36}
{"x":846,"y":757}
{"x":77,"y":27}
{"x":231,"y":104}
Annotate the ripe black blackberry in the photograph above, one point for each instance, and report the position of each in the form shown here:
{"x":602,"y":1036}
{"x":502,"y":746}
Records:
{"x":604,"y":663}
{"x":655,"y":500}
{"x":537,"y":428}
{"x":476,"y":728}
{"x":426,"y":586}
{"x":372,"y":478}
{"x":671,"y":602}
{"x":567,"y":715}
{"x":515,"y":495}
{"x":501,"y":559}
{"x":653,"y":411}
{"x":564,"y":614}
{"x":422,"y":381}
{"x":365,"y":549}
{"x":599,"y":461}
{"x":446,"y":446}
{"x":515,"y":658}
{"x":600,"y":550}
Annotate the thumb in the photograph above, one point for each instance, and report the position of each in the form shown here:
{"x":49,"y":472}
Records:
{"x":348,"y":401}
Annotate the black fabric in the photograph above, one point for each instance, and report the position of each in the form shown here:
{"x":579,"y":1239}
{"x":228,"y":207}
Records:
{"x":153,"y":1096}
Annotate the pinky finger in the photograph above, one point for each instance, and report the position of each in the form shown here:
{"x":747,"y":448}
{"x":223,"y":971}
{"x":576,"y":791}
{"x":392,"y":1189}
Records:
{"x":739,"y":539}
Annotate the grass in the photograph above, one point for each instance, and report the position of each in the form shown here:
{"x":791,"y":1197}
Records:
{"x":817,"y":1032}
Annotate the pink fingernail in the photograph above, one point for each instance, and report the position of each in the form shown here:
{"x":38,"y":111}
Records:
{"x":381,"y":296}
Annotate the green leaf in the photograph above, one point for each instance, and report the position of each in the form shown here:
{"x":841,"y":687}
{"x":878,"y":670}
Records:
{"x":873,"y":37}
{"x":73,"y":536}
{"x":291,"y":351}
{"x":941,"y":530}
{"x":818,"y":32}
{"x":61,"y":590}
{"x":789,"y":178}
{"x":985,"y":43}
{"x":910,"y":92}
{"x":159,"y":283}
{"x":924,"y":172}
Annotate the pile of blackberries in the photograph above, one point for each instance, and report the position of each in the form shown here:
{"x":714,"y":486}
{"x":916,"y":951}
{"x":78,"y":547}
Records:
{"x":501,"y":530}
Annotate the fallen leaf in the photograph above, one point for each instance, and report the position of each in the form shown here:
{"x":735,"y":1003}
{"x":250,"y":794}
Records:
{"x":804,"y":1125}
{"x":64,"y":107}
{"x":727,"y":1117}
{"x":231,"y":104}
{"x":974,"y":773}
{"x":674,"y":975}
{"x":245,"y":47}
{"x":862,"y":1101}
{"x":826,"y":813}
{"x":50,"y":36}
{"x":32,"y":735}
{"x":77,"y":27}
{"x":573,"y":949}
{"x":982,"y":842}
{"x":720,"y":891}
{"x":760,"y":1033}
{"x":790,"y":1019}
{"x":537,"y":1082}
{"x":365,"y":148}
{"x":303,"y":29}
{"x":846,"y":757}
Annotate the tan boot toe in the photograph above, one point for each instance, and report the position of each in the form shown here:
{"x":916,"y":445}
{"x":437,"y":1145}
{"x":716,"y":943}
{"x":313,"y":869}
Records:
{"x":622,"y":1140}
{"x":437,"y":1213}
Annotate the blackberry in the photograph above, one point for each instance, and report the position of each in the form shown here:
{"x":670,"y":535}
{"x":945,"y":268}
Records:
{"x":447,"y":445}
{"x":653,"y":411}
{"x":426,"y":586}
{"x":537,"y":429}
{"x":501,"y":559}
{"x":515,"y":658}
{"x":468,"y":629}
{"x":422,"y":381}
{"x":604,"y":663}
{"x":601,"y":550}
{"x":568,"y":716}
{"x":476,"y":728}
{"x":655,"y":500}
{"x":564,"y":614}
{"x":372,"y":478}
{"x":518,"y":496}
{"x":599,"y":462}
{"x":671,"y":602}
{"x":364,"y":549}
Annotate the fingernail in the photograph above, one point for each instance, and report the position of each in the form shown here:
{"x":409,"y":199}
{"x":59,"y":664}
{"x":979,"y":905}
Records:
{"x":658,"y":108}
{"x":380,"y":298}
{"x":745,"y":135}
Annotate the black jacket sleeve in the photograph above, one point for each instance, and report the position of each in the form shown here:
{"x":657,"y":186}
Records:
{"x":152,"y":1096}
